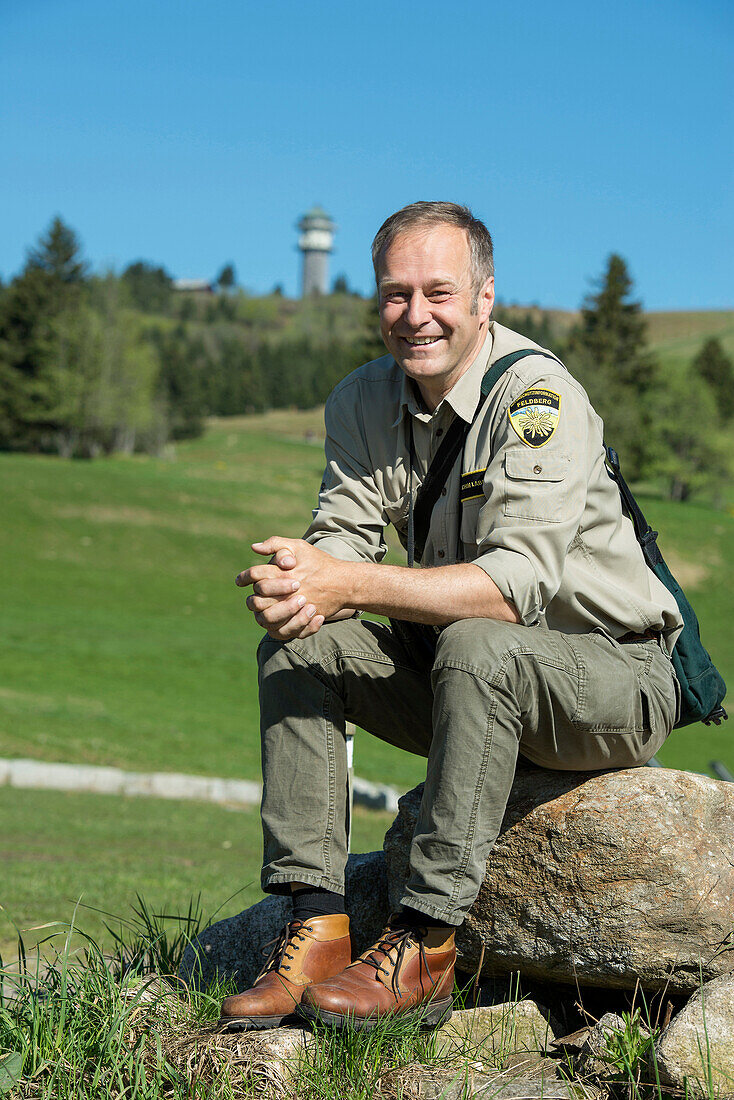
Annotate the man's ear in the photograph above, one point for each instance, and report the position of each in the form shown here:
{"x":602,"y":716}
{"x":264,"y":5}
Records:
{"x":486,"y":300}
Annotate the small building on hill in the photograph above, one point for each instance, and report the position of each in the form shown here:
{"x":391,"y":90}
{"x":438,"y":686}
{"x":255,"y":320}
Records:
{"x":190,"y":286}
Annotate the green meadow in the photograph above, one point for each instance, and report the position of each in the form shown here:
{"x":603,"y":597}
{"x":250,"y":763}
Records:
{"x":676,"y":338}
{"x":124,"y":642}
{"x":58,"y":849}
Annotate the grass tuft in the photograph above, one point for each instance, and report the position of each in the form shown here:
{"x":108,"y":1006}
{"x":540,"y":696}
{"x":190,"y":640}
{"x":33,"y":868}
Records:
{"x":361,"y":1064}
{"x":77,"y":1023}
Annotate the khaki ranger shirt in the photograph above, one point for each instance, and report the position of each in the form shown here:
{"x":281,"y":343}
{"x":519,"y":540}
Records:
{"x":530,"y":503}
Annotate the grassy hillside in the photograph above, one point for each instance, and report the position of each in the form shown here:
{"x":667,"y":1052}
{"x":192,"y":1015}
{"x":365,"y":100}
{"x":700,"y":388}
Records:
{"x":674,"y":336}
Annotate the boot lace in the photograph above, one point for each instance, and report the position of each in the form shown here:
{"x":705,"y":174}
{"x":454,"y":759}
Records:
{"x":288,"y":940}
{"x":398,"y":940}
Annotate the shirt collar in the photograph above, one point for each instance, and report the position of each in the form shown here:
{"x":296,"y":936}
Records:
{"x":463,"y":398}
{"x":409,"y":399}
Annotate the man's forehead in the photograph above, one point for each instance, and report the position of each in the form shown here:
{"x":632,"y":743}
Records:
{"x":438,"y":251}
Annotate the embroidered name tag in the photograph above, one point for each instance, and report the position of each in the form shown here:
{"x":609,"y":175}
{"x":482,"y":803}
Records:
{"x":535,"y":415}
{"x":471,"y":484}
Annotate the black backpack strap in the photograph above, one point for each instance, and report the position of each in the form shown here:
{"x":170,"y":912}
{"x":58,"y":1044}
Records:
{"x":435,"y":479}
{"x":419,"y":519}
{"x":646,"y":537}
{"x":497,"y":369}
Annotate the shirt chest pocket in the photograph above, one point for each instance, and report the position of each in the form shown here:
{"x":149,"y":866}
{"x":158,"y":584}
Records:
{"x":534,"y":486}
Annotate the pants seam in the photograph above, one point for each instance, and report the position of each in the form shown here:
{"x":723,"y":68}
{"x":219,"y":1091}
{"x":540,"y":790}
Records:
{"x":331,"y":757}
{"x":337,"y":654}
{"x":460,"y":873}
{"x":494,"y":678}
{"x":582,"y":690}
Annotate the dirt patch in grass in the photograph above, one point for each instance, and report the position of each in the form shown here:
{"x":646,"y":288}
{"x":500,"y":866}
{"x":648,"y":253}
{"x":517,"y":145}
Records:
{"x":690,"y":574}
{"x":41,"y":704}
{"x":147,"y":517}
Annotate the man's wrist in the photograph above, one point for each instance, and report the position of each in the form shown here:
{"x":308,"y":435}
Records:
{"x":343,"y":584}
{"x":354,"y":584}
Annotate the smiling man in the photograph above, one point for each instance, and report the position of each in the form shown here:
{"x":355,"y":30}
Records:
{"x":533,"y":626}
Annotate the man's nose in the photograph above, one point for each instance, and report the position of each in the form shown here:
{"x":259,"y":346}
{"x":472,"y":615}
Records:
{"x":418,"y":312}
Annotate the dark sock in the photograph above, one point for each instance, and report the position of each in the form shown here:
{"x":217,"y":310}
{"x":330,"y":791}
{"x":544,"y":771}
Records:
{"x":411,"y":918}
{"x":314,"y":901}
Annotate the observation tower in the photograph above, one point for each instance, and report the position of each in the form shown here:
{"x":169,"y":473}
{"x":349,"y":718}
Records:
{"x":315,"y":242}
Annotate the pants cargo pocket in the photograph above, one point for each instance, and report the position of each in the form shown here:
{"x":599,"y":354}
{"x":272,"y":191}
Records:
{"x":616,"y":675}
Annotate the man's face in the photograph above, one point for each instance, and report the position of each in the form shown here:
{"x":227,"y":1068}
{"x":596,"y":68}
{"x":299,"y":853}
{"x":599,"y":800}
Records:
{"x":427,"y":315}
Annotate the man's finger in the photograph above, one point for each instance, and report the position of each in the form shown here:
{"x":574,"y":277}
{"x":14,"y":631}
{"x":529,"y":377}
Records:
{"x":262,"y":603}
{"x":256,"y":573}
{"x":276,"y":586}
{"x":257,"y":604}
{"x":279,"y":612}
{"x":271,"y":545}
{"x":286,"y":634}
{"x":285,"y":558}
{"x":314,"y":625}
{"x":290,"y":628}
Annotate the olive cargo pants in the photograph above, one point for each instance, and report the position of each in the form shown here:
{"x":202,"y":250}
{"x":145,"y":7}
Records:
{"x":492,"y":690}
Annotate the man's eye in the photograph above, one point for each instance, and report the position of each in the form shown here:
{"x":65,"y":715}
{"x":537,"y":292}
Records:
{"x":395,"y":296}
{"x":439,"y":295}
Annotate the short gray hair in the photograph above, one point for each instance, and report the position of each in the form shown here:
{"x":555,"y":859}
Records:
{"x":423,"y":214}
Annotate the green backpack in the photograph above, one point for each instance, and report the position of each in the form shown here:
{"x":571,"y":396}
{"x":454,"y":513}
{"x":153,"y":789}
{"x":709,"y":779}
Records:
{"x":702,"y":687}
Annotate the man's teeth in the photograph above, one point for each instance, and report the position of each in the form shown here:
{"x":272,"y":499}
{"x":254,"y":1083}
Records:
{"x":418,"y":340}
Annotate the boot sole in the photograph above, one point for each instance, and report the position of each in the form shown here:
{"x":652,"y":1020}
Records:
{"x":255,"y":1023}
{"x":431,"y":1015}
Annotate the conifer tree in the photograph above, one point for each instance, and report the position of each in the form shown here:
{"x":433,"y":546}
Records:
{"x":609,"y":354}
{"x":59,"y":254}
{"x":227,"y":278}
{"x":715,"y":367}
{"x":50,"y":284}
{"x":150,"y":287}
{"x":695,"y":456}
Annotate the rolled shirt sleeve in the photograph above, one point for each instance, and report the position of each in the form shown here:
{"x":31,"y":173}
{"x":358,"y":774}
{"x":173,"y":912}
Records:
{"x":349,"y":519}
{"x":533,"y":501}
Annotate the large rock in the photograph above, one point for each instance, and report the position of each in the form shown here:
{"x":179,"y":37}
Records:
{"x":600,"y":879}
{"x":696,"y":1050}
{"x":232,"y":948}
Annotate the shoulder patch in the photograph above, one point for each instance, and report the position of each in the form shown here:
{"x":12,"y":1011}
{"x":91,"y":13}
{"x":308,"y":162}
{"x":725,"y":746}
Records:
{"x":472,"y":485}
{"x":534,"y":415}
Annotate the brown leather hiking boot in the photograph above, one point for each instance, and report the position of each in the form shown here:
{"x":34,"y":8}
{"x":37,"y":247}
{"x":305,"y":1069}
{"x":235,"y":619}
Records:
{"x":408,"y":972}
{"x":304,"y":952}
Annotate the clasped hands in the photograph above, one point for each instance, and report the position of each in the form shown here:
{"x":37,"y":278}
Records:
{"x":296,"y":591}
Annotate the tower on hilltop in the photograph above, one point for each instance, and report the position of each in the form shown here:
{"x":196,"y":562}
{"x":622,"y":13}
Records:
{"x":317,"y":235}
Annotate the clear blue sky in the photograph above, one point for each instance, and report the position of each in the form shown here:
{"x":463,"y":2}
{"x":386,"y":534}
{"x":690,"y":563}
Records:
{"x":190,"y":134}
